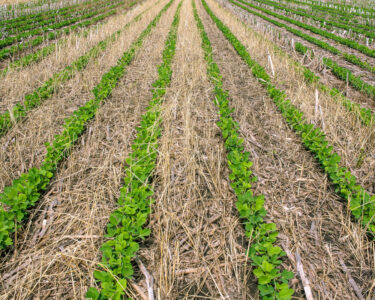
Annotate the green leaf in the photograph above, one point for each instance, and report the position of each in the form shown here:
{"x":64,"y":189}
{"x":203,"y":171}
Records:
{"x":286,"y":294}
{"x":266,"y":266}
{"x":92,"y":293}
{"x":259,"y":203}
{"x":264,"y":279}
{"x":258,"y":272}
{"x":287,"y":275}
{"x":274,"y":250}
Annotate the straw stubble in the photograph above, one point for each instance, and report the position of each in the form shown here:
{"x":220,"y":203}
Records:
{"x":23,"y":147}
{"x":197,"y":248}
{"x":59,"y":263}
{"x":310,"y":217}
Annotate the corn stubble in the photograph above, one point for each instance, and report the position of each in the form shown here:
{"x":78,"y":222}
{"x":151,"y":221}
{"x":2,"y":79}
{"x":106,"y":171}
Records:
{"x":190,"y":157}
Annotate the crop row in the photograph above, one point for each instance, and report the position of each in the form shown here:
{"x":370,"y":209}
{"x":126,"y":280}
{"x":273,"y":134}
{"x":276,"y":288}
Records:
{"x":366,"y":116}
{"x":343,"y":73}
{"x":26,"y":190}
{"x":17,"y":11}
{"x":8,"y":52}
{"x":41,"y":15}
{"x":32,"y":57}
{"x":125,"y":227}
{"x":344,"y":41}
{"x":348,"y":57}
{"x":360,"y":202}
{"x":337,"y":17}
{"x":264,"y":255}
{"x":48,"y":29}
{"x":39,"y":54}
{"x":49,"y":87}
{"x":338,"y":5}
{"x":53,"y":19}
{"x":323,"y":22}
{"x":336,"y":11}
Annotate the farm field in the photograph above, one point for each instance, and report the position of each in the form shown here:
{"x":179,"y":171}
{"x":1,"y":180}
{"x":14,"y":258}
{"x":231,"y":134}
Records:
{"x":187,"y":149}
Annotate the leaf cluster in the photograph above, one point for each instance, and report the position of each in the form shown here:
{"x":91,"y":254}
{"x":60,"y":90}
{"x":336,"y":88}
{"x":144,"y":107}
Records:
{"x":126,"y":223}
{"x":265,"y":256}
{"x":26,"y":190}
{"x":360,"y":202}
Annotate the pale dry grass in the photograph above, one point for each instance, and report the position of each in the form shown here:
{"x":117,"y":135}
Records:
{"x":337,"y":45}
{"x":361,"y":39}
{"x":17,"y":83}
{"x":299,"y":198}
{"x":278,"y":33}
{"x":60,"y":263}
{"x":23,"y":147}
{"x":197,"y":248}
{"x":32,"y":6}
{"x":6,"y":2}
{"x":284,"y":40}
{"x":351,"y":139}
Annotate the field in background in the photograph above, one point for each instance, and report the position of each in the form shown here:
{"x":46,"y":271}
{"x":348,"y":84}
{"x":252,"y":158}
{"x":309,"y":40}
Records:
{"x":193,"y":149}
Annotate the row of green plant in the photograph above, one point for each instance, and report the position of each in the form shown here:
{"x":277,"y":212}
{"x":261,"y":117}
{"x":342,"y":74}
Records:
{"x":348,"y":10}
{"x":360,"y":202}
{"x":49,"y":17}
{"x":26,"y":190}
{"x":336,"y":16}
{"x":48,"y":29}
{"x":126,"y":224}
{"x":330,"y":10}
{"x":41,"y":15}
{"x":345,"y":74}
{"x":33,"y":57}
{"x":341,"y":6}
{"x":264,"y":255}
{"x":344,"y":41}
{"x":40,"y":54}
{"x":322,"y":21}
{"x":9,"y":52}
{"x":365,"y":115}
{"x":348,"y":57}
{"x":32,"y":100}
{"x":342,"y":73}
{"x":24,"y":9}
{"x":55,"y":18}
